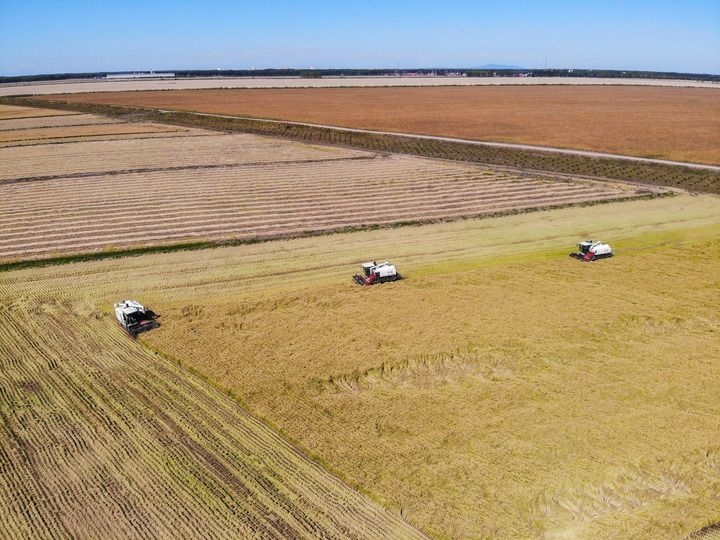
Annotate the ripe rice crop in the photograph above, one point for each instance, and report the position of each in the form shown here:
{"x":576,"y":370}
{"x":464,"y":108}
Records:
{"x":100,"y":438}
{"x":485,"y":395}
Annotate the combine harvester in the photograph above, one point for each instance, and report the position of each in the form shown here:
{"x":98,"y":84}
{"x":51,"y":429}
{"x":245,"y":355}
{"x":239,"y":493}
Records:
{"x":374,"y":273}
{"x":134,"y":317}
{"x":589,"y":250}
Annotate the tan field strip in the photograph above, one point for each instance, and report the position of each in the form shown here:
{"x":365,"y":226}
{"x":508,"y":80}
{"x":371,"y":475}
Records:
{"x":54,"y":121}
{"x":9,"y":112}
{"x":90,"y":213}
{"x":85,"y":131}
{"x":679,"y":124}
{"x":122,"y":155}
{"x":197,"y":83}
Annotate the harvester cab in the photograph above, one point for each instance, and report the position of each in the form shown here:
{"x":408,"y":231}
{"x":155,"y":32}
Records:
{"x":374,"y":273}
{"x":134,"y":317}
{"x":589,"y":250}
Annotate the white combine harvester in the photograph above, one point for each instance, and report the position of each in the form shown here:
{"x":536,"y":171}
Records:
{"x":134,"y":317}
{"x":374,"y":273}
{"x":589,"y":250}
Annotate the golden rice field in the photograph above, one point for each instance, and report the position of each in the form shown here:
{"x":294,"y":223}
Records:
{"x":100,"y":438}
{"x":501,"y":390}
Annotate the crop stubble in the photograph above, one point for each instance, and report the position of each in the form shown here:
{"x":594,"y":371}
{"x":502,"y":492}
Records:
{"x":263,"y":201}
{"x":97,"y":195}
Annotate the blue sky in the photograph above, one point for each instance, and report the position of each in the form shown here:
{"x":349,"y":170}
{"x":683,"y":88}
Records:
{"x":74,"y":36}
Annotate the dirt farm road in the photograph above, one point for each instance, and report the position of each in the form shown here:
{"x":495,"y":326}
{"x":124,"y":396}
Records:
{"x":568,"y":151}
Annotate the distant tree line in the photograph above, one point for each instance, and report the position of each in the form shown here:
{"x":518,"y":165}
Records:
{"x":318,"y":73}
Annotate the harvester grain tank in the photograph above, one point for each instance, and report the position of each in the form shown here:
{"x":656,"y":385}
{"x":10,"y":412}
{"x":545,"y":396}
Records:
{"x":134,"y":317}
{"x":590,"y":250}
{"x":374,"y":273}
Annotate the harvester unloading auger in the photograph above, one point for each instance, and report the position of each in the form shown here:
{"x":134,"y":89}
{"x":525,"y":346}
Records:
{"x":134,"y":317}
{"x":374,"y":273}
{"x":589,"y":250}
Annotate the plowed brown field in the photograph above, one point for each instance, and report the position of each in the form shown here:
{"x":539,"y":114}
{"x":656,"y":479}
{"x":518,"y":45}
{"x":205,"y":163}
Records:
{"x":672,"y":123}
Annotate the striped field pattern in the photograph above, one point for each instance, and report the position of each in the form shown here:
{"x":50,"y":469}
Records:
{"x":277,"y":192}
{"x":100,"y":438}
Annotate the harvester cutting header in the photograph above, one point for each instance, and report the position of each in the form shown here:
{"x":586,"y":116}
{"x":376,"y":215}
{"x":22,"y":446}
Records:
{"x":374,"y":273}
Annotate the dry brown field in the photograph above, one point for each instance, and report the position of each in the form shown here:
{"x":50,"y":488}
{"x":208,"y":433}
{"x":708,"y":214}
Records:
{"x":42,"y":161}
{"x":9,"y":112}
{"x":54,"y":121}
{"x":680,"y":124}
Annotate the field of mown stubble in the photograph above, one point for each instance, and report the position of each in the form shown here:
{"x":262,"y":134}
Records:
{"x":106,"y":195}
{"x":27,"y":126}
{"x":672,"y":123}
{"x":502,"y":389}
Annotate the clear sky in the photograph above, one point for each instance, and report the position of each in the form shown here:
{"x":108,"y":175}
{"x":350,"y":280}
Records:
{"x":39,"y":36}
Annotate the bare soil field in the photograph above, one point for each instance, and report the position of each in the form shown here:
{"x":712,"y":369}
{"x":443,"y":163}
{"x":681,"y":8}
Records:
{"x":91,"y":213}
{"x":484,"y":395}
{"x":680,"y":124}
{"x":192,"y":83}
{"x":100,"y":438}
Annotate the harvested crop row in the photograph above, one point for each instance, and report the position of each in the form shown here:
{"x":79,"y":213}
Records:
{"x":62,"y":132}
{"x":8,"y":112}
{"x":107,"y":156}
{"x":320,"y":219}
{"x":55,"y":121}
{"x":101,"y":439}
{"x":263,"y":201}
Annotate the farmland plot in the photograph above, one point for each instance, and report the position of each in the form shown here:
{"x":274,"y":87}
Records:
{"x":27,"y":126}
{"x":95,"y":157}
{"x":483,"y":395}
{"x":55,"y":121}
{"x":77,"y":214}
{"x":102,"y":439}
{"x":672,"y":123}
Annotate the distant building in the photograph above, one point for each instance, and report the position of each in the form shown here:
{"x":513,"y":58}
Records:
{"x":149,"y":75}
